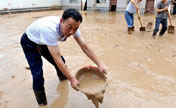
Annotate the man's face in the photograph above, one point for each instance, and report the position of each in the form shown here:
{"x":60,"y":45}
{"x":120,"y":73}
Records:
{"x":164,"y":1}
{"x":69,"y":26}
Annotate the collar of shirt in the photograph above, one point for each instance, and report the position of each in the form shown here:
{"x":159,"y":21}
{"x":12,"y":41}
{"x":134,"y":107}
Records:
{"x":61,"y":36}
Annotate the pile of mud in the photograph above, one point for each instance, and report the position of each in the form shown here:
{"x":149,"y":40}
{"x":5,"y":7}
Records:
{"x":92,"y":83}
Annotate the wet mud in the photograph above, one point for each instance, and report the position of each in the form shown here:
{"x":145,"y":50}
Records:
{"x":141,"y":70}
{"x":93,"y":84}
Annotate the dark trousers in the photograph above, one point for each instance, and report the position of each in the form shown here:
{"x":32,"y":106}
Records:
{"x":33,"y":53}
{"x":174,"y":9}
{"x":157,"y":25}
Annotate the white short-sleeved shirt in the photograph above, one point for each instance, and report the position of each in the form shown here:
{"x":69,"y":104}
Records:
{"x":46,"y":31}
{"x":131,"y":8}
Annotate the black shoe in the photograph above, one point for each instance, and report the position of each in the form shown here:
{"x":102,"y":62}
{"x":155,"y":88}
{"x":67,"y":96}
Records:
{"x":129,"y":30}
{"x":132,"y":28}
{"x":40,"y":97}
{"x":154,"y":34}
{"x":160,"y":34}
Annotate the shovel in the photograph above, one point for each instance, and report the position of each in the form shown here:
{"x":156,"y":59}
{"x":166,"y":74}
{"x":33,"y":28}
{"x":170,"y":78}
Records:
{"x":142,"y":28}
{"x":170,"y":27}
{"x":150,"y":25}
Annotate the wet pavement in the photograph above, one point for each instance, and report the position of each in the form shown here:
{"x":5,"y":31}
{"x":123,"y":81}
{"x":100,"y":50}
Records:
{"x":141,"y":70}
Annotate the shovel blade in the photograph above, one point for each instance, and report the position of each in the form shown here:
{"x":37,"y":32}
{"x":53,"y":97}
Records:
{"x":171,"y":29}
{"x":142,"y":29}
{"x":149,"y":26}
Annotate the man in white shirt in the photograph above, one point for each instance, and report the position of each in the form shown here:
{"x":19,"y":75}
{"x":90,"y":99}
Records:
{"x":41,"y":39}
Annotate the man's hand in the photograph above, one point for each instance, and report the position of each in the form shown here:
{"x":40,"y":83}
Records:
{"x":166,"y":8}
{"x":102,"y":69}
{"x":74,"y":83}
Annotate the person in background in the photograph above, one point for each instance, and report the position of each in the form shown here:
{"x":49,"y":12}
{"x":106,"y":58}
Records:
{"x":161,"y":17}
{"x":41,"y":39}
{"x":130,"y":10}
{"x":174,"y":7}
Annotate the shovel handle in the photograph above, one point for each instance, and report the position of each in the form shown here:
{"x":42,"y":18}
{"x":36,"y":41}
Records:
{"x":169,"y":16}
{"x":139,"y":17}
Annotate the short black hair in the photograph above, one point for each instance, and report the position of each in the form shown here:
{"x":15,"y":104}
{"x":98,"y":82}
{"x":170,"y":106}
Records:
{"x":73,"y":13}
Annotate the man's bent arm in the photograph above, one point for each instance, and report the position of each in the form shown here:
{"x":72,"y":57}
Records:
{"x":89,"y":52}
{"x":55,"y":52}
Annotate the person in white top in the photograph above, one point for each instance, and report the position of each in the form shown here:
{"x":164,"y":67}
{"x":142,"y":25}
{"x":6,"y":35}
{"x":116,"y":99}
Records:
{"x":41,"y":39}
{"x":130,"y":10}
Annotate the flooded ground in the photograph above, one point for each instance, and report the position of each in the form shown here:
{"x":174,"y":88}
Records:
{"x":141,"y":70}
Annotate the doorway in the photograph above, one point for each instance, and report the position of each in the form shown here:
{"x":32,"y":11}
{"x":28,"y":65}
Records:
{"x":112,"y":5}
{"x":84,"y":5}
{"x":149,"y":7}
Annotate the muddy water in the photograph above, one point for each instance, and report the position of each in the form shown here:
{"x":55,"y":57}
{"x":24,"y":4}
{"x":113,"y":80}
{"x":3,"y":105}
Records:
{"x":92,"y":84}
{"x":141,"y":70}
{"x":87,"y":77}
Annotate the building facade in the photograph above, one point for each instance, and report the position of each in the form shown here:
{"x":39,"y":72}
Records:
{"x":101,"y":5}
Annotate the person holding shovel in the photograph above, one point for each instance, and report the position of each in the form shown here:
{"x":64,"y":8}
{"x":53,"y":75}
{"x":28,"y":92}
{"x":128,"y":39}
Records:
{"x":41,"y":39}
{"x":174,"y":6}
{"x":130,"y":10}
{"x":161,"y":17}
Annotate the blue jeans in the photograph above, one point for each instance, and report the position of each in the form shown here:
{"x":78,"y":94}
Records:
{"x":129,"y":19}
{"x":33,"y":53}
{"x":157,"y":25}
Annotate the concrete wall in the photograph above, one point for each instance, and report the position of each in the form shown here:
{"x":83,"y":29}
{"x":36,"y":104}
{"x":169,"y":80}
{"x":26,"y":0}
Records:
{"x":18,"y":4}
{"x":67,"y":4}
{"x":91,"y":4}
{"x":121,"y":4}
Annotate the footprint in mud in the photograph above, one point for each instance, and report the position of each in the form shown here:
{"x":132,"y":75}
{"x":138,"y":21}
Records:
{"x":13,"y":76}
{"x":147,"y":58}
{"x":105,"y":34}
{"x":116,"y":45}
